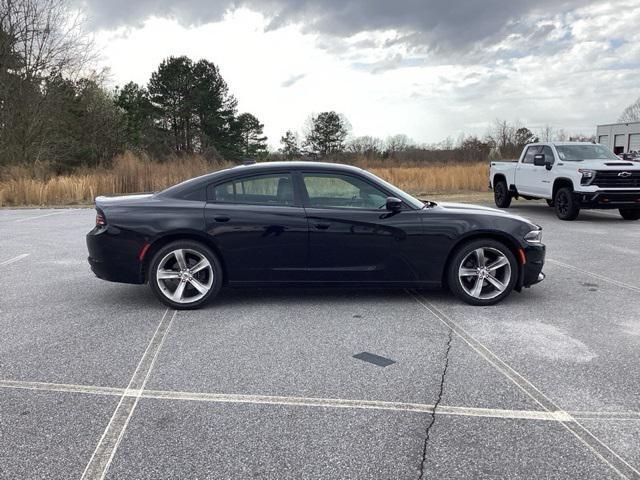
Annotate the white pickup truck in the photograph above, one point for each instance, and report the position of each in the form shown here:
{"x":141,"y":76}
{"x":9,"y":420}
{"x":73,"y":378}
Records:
{"x":569,"y":176}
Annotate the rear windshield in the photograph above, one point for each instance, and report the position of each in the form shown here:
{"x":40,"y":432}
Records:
{"x":574,"y":153}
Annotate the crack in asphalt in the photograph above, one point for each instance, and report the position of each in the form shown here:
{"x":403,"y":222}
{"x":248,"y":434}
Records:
{"x":432,"y":414}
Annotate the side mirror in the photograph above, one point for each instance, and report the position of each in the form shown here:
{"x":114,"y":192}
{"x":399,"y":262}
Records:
{"x":394,"y":204}
{"x":541,"y":160}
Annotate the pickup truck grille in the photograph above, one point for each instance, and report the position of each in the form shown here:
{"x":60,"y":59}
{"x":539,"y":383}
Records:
{"x":613,"y":179}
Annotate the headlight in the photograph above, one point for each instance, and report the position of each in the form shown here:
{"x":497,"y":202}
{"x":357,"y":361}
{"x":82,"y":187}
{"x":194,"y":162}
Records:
{"x":534,"y":236}
{"x":587,"y":175}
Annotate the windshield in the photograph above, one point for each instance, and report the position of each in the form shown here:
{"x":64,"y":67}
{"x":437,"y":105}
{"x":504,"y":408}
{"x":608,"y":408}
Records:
{"x":401,"y":194}
{"x":574,"y":153}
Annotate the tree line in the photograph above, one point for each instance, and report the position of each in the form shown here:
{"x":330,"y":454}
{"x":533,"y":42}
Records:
{"x":54,"y":113}
{"x":327,"y":135}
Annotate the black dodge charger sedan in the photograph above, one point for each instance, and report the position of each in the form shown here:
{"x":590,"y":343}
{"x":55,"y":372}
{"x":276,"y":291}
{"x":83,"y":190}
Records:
{"x":308,"y":223}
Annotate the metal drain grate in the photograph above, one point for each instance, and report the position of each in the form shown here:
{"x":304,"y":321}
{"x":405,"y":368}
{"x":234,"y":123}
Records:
{"x":375,"y":359}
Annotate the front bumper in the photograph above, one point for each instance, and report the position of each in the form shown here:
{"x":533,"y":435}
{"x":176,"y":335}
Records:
{"x":608,"y":199}
{"x":532,"y":269}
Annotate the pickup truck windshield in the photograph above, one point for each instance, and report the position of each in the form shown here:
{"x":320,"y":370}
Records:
{"x":575,"y":153}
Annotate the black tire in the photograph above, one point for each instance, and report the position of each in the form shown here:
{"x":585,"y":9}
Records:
{"x":549,"y":202}
{"x":211,"y":276}
{"x":565,"y":204}
{"x":630,"y":213}
{"x":460,"y":259}
{"x":501,"y":194}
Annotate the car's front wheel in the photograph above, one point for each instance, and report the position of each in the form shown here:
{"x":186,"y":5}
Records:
{"x":482,"y":272}
{"x":185,"y":274}
{"x":630,"y":213}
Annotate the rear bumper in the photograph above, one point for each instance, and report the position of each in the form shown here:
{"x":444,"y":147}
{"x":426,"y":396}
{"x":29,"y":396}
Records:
{"x":609,"y":199}
{"x":532,"y":269}
{"x":113,"y":256}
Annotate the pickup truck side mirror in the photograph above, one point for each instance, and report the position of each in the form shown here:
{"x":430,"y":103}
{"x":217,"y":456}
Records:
{"x":541,"y":160}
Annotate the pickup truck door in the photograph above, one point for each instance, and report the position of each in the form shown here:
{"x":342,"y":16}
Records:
{"x":526,"y":172}
{"x":542,"y":179}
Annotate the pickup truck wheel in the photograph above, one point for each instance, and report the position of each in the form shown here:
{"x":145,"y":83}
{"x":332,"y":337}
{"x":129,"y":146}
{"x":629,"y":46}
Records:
{"x":549,"y":202}
{"x":501,"y":194}
{"x":630,"y":213}
{"x":482,"y":272}
{"x":566,"y":206}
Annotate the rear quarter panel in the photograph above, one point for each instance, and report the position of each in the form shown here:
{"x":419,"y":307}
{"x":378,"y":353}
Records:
{"x":505,"y":169}
{"x":130,"y":227}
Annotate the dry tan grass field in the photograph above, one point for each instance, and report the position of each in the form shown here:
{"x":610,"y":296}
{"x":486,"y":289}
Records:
{"x":131,"y":173}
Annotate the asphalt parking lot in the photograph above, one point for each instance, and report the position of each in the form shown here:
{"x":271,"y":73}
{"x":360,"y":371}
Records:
{"x":98,"y":377}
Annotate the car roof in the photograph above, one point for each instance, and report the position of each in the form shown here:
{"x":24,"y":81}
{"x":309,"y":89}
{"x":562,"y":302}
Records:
{"x":297,"y":165}
{"x":559,"y":144}
{"x":256,"y":168}
{"x":291,"y":165}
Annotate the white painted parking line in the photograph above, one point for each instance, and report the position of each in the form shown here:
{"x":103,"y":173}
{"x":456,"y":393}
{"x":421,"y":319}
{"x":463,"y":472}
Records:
{"x":612,"y":281}
{"x":26,"y":219}
{"x":348,"y":403}
{"x":539,"y":415}
{"x":108,"y":445}
{"x":61,"y":387}
{"x":14,"y":259}
{"x":599,"y":448}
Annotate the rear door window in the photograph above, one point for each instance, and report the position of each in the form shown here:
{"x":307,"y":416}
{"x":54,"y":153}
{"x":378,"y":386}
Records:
{"x":272,"y":189}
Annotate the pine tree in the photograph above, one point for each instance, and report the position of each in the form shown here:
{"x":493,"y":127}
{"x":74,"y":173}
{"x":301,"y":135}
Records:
{"x":254,"y":142}
{"x":290,"y":147}
{"x":327,"y":133}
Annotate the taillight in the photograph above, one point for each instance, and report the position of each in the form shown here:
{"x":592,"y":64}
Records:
{"x":100,"y":220}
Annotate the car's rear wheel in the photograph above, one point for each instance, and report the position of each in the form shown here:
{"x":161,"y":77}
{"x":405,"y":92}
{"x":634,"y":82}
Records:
{"x":185,"y":274}
{"x":565,"y":204}
{"x":501,"y":194}
{"x":630,"y":213}
{"x":482,"y":272}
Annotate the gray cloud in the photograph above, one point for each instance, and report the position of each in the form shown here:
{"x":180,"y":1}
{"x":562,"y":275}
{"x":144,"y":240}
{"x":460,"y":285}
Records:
{"x":433,"y":25}
{"x":390,"y":62}
{"x":292,"y":80}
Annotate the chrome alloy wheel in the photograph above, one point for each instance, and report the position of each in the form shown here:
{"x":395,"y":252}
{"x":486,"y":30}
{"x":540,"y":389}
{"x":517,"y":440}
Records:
{"x":184,"y":275}
{"x":484,"y":273}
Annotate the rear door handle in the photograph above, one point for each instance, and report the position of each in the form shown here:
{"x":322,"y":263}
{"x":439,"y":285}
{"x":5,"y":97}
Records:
{"x":221,"y":218}
{"x":322,"y":225}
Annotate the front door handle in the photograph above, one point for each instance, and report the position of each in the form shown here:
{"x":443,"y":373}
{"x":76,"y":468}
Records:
{"x":221,"y":218}
{"x":322,"y":225}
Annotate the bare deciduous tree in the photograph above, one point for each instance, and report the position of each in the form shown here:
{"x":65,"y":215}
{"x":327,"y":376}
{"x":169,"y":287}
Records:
{"x":547,"y":133}
{"x":631,"y":113}
{"x":40,"y":40}
{"x":365,"y":145}
{"x":398,"y":143}
{"x":47,"y":36}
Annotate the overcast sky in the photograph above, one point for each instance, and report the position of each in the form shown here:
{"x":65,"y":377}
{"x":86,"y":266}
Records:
{"x":427,"y":68}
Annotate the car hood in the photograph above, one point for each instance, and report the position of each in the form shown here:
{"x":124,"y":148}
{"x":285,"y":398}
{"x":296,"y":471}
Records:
{"x":468,"y":208}
{"x":605,"y":164}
